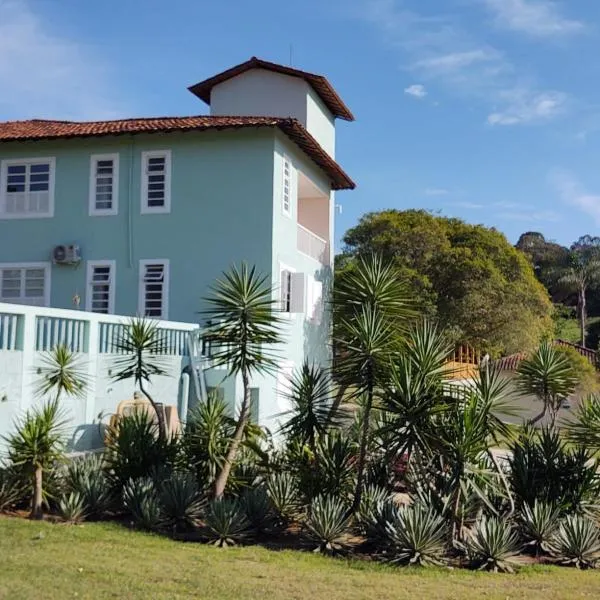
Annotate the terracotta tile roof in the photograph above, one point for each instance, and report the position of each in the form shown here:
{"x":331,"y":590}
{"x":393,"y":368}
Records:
{"x":38,"y":129}
{"x":319,"y":83}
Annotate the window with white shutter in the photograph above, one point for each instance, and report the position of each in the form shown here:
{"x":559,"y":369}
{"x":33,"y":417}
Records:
{"x":26,"y":283}
{"x":27,"y":188}
{"x":154,"y":288}
{"x":100,"y":297}
{"x":156,"y":181}
{"x":104,"y":184}
{"x":286,"y":191}
{"x":285,"y":282}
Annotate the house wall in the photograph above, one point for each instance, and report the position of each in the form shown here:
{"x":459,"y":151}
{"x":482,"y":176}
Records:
{"x":320,"y":122}
{"x":221,"y":197}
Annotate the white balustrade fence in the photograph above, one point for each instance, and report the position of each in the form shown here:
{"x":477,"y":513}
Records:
{"x":312,"y":245}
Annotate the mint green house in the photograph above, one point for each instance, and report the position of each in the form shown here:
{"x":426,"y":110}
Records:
{"x":140,"y":216}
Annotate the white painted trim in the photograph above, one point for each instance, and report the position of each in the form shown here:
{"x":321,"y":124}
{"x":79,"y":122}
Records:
{"x":51,"y":160}
{"x":93,"y":211}
{"x":166,"y":278}
{"x":283,"y":267}
{"x":145,"y":209}
{"x":33,"y":265}
{"x":287,"y":213}
{"x":112,"y":265}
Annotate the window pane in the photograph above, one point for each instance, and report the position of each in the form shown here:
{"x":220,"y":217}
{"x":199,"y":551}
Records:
{"x":40,"y":168}
{"x":16,"y":169}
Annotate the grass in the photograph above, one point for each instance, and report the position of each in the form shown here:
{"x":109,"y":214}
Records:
{"x":100,"y":560}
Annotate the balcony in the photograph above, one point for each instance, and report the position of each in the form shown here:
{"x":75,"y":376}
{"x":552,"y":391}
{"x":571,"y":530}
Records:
{"x":312,"y":245}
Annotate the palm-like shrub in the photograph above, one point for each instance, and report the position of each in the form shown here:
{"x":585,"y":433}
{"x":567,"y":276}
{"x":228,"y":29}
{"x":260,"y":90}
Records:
{"x":327,"y":522}
{"x":36,"y":446}
{"x":418,"y":536}
{"x":282,"y":490}
{"x":257,"y":507}
{"x":373,"y":497}
{"x":71,"y":507}
{"x":85,"y":476}
{"x":135,"y":449}
{"x":537,"y":525}
{"x":226,"y":523}
{"x":377,"y":529}
{"x":491,"y":545}
{"x":577,"y":542}
{"x":12,"y":488}
{"x":181,"y":501}
{"x":142,"y":503}
{"x":334,"y":467}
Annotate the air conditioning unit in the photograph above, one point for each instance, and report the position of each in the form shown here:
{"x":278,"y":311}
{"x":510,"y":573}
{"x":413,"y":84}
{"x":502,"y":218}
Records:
{"x":66,"y":254}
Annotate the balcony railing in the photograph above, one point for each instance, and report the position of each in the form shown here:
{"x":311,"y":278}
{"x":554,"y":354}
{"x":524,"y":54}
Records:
{"x":312,"y":245}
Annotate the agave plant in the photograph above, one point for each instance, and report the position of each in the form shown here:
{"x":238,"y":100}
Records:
{"x":141,"y":501}
{"x":71,"y":508}
{"x":538,"y":524}
{"x":372,"y":498}
{"x":257,"y":507}
{"x":577,"y":542}
{"x":226,"y":523}
{"x":282,"y":490}
{"x":327,"y":523}
{"x":491,"y":545}
{"x":377,"y":529}
{"x":86,"y":477}
{"x":418,"y":536}
{"x":181,"y":501}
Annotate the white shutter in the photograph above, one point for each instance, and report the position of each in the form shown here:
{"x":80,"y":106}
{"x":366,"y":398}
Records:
{"x":297,"y":303}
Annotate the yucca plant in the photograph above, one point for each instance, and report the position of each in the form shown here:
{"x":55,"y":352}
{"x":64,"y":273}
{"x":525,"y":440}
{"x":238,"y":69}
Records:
{"x":377,"y":529}
{"x":226,"y":523}
{"x":181,"y":501}
{"x":141,"y":502}
{"x":257,"y":507}
{"x":12,"y":488}
{"x":537,"y":525}
{"x":71,"y":508}
{"x":373,"y":497}
{"x":577,"y":542}
{"x":327,"y":522}
{"x":418,"y":536}
{"x":86,"y":477}
{"x":282,"y":490}
{"x":36,"y":446}
{"x":492,"y":545}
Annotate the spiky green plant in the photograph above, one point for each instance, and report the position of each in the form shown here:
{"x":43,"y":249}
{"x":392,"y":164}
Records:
{"x":310,"y":397}
{"x":418,"y":536}
{"x":226,"y":523}
{"x":282,"y":490}
{"x":61,"y":372}
{"x":492,"y":545}
{"x":142,"y":503}
{"x":86,"y":477}
{"x":244,"y":329}
{"x":373,"y":497}
{"x":584,"y":429}
{"x":71,"y":508}
{"x":334,"y":468}
{"x":141,"y":344}
{"x":36,"y":446}
{"x":181,"y":501}
{"x":257,"y":507}
{"x":377,"y":529}
{"x":537,"y":525}
{"x":326,"y":523}
{"x":12,"y":488}
{"x":577,"y":542}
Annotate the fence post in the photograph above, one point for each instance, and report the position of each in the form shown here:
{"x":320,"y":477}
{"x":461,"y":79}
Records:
{"x":28,"y":344}
{"x":93,"y":327}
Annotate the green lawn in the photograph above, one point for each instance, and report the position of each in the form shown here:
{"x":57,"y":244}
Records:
{"x":96,"y":561}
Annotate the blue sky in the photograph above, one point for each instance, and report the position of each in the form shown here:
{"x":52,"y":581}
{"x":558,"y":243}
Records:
{"x":488,"y":110}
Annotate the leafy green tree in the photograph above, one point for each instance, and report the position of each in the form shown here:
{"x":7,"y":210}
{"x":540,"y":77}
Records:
{"x":243,"y":328}
{"x":141,"y":344}
{"x":467,"y":276}
{"x":549,"y":375}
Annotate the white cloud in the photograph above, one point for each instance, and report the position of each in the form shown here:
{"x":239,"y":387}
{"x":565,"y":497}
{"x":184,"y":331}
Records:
{"x":522,"y":106}
{"x":436,"y":191}
{"x":47,"y":75}
{"x":540,"y":18}
{"x":457,"y":60}
{"x":416,"y":91}
{"x":572,"y":192}
{"x":469,"y":205}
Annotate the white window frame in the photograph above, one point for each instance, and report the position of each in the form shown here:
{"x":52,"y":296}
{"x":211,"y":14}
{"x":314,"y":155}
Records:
{"x":51,"y":160}
{"x":141,"y":285}
{"x":46,"y":266}
{"x":102,"y":212}
{"x":287,"y":160}
{"x":283,"y":267}
{"x":152,"y":210}
{"x":91,"y":265}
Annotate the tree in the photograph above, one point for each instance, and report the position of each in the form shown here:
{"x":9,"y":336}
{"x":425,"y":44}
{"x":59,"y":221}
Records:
{"x":141,"y":343}
{"x":549,"y":375}
{"x":61,"y":372}
{"x":243,"y":327}
{"x":372,"y":312}
{"x":581,"y":271}
{"x":467,"y":276}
